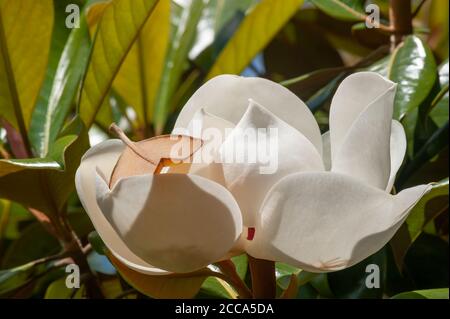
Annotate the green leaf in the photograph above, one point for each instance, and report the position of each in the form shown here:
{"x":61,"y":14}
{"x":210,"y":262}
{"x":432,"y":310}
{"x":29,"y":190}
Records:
{"x":181,"y":43}
{"x":59,"y":290}
{"x":25,"y":33}
{"x":46,"y":183}
{"x":173,"y":286}
{"x":439,"y":113}
{"x":413,"y":68}
{"x":140,"y":75}
{"x":441,"y":293}
{"x":424,"y":211}
{"x":15,"y":278}
{"x":97,"y":243}
{"x":254,"y":33}
{"x":35,"y":242}
{"x":428,"y":208}
{"x":52,"y":108}
{"x":351,"y":282}
{"x":347,"y":10}
{"x":118,"y":29}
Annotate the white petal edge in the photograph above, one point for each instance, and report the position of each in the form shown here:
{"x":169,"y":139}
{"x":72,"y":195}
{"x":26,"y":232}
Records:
{"x":352,"y":97}
{"x":323,"y":222}
{"x":365,"y":151}
{"x":248,"y":176}
{"x":177,"y":222}
{"x":398,"y":151}
{"x":102,"y":158}
{"x":226,"y":96}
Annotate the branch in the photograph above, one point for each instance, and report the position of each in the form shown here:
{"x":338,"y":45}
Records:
{"x":401,"y":20}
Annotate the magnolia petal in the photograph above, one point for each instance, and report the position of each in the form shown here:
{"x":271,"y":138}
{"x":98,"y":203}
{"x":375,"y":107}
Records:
{"x":247,"y":174}
{"x":398,"y":151}
{"x":326,"y":150}
{"x":226,"y":96}
{"x":325,"y":222}
{"x":365,"y":151}
{"x":177,"y":222}
{"x":352,"y":97}
{"x":103,"y":157}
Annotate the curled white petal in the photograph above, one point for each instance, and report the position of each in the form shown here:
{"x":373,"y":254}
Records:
{"x":398,"y":147}
{"x":360,"y":128}
{"x":226,"y":96}
{"x":177,"y":222}
{"x":101,"y":159}
{"x":324,"y":221}
{"x":260,"y":151}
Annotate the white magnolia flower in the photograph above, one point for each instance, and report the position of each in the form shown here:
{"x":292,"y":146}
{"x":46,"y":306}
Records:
{"x":326,"y":207}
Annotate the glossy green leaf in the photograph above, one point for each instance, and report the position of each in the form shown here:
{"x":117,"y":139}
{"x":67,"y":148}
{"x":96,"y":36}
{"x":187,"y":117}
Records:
{"x":351,"y":282}
{"x":174,"y":286}
{"x":51,"y":111}
{"x":140,"y":75}
{"x":181,"y":43}
{"x":250,"y":37}
{"x":348,"y":10}
{"x":14,"y":278}
{"x":439,"y":112}
{"x":118,"y":29}
{"x":25,"y":32}
{"x":50,"y":180}
{"x":413,"y":68}
{"x":426,"y":210}
{"x":441,"y":293}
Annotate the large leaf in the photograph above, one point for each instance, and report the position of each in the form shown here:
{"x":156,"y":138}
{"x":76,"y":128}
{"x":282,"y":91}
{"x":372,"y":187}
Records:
{"x":348,"y":10}
{"x":254,"y":33}
{"x":62,"y":84}
{"x":14,"y":278}
{"x":118,"y":29}
{"x":25,"y":32}
{"x":59,"y":290}
{"x":174,"y":286}
{"x":46,"y":183}
{"x":181,"y":43}
{"x":413,"y":68}
{"x":139,"y":77}
{"x":439,"y":113}
{"x":441,"y":293}
{"x":428,"y":208}
{"x":351,"y":282}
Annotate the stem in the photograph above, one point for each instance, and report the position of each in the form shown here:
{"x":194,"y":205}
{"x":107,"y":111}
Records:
{"x":401,"y":20}
{"x":120,"y":134}
{"x":229,"y":270}
{"x":263,"y":278}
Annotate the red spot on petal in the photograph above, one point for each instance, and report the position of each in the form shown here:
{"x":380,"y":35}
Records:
{"x":250,"y":233}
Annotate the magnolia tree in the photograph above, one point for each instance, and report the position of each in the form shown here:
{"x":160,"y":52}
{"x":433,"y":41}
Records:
{"x":231,"y":149}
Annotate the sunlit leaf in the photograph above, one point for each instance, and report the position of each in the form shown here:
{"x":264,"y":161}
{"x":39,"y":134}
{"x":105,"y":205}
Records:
{"x":59,"y":290}
{"x":50,"y":180}
{"x":118,"y":29}
{"x":181,"y":43}
{"x":139,"y":77}
{"x":349,"y":10}
{"x":49,"y":115}
{"x":25,"y":32}
{"x":441,"y":293}
{"x":254,"y":33}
